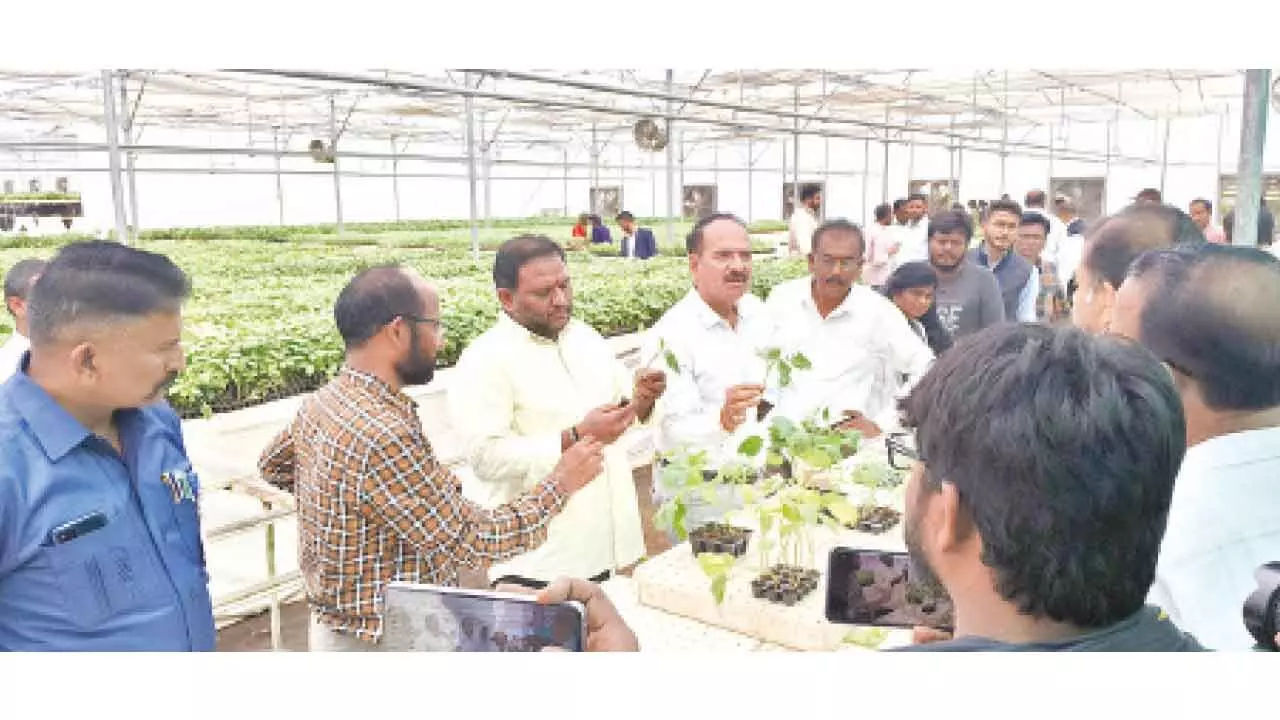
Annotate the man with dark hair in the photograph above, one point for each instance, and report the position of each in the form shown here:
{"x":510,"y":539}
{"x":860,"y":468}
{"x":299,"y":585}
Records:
{"x":1148,"y":196}
{"x":1051,"y":302}
{"x":804,"y":220}
{"x":636,"y":242}
{"x":599,"y":231}
{"x":714,"y":334}
{"x":882,"y":248}
{"x":1035,"y":203}
{"x":1212,"y":314}
{"x":100,"y":546}
{"x":525,"y":390}
{"x":1201,"y":212}
{"x":1019,"y":280}
{"x":1043,"y":542}
{"x":854,"y":338}
{"x":1112,"y":245}
{"x":968,"y":295}
{"x":1071,"y":246}
{"x":913,"y":235}
{"x":900,"y":211}
{"x":374,"y":503}
{"x":1266,"y":227}
{"x":17,"y":289}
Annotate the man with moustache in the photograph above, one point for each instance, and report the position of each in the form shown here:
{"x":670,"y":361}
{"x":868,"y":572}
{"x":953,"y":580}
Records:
{"x":1042,"y":542}
{"x":1019,"y":280}
{"x":968,"y":295}
{"x":714,"y":333}
{"x":855,"y":339}
{"x":374,"y":504}
{"x":100,"y":546}
{"x":525,"y":390}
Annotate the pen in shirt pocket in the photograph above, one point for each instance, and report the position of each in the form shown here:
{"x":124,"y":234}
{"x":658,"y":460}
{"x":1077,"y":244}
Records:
{"x":81,"y":526}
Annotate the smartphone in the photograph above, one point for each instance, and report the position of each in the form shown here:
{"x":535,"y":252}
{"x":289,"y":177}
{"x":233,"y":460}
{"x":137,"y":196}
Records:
{"x":883,"y":589}
{"x":77,"y":528}
{"x":433,"y":618}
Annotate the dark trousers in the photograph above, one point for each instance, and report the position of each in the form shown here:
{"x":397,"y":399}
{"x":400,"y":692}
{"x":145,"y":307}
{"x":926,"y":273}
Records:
{"x":539,"y":584}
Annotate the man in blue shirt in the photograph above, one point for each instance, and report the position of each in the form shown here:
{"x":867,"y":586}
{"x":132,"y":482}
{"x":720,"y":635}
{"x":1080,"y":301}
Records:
{"x":100,"y":545}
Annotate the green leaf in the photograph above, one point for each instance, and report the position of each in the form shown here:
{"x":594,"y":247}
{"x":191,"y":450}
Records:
{"x":791,"y":514}
{"x":771,"y":354}
{"x":718,"y":586}
{"x":800,"y":362}
{"x":677,"y":521}
{"x":784,"y":375}
{"x":715,"y":564}
{"x":868,"y":637}
{"x":751,"y":446}
{"x":672,"y":362}
{"x":773,"y":458}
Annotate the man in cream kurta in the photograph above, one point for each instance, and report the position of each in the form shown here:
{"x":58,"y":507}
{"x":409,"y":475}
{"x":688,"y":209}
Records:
{"x":513,"y":396}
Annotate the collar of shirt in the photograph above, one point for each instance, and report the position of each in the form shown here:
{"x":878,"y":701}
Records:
{"x":1233,"y":449}
{"x":841,"y":310}
{"x":709,"y":318}
{"x":510,"y":326}
{"x":53,"y":427}
{"x":377,"y":389}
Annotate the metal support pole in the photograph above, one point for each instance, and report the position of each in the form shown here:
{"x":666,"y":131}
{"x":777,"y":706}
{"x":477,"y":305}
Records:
{"x":486,"y":166}
{"x":867,"y":218}
{"x":1253,"y":135}
{"x":1004,"y":135}
{"x":1049,"y":186}
{"x":595,"y":172}
{"x":129,"y":158}
{"x":884,"y":176}
{"x":1106,"y":172}
{"x":622,"y":177}
{"x":951,"y":168}
{"x":275,"y":151}
{"x":1217,"y":177}
{"x":1164,"y":153}
{"x":751,"y":164}
{"x":795,"y":155}
{"x":681,"y":183}
{"x":671,"y":142}
{"x":395,"y":177}
{"x":565,"y":152}
{"x":468,"y":103}
{"x":826,"y":170}
{"x":113,"y":153}
{"x":333,"y":147}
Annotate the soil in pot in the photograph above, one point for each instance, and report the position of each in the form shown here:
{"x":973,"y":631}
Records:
{"x":719,"y":538}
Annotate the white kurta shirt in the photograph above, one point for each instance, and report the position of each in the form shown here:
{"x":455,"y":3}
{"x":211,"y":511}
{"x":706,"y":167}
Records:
{"x":1224,"y":522}
{"x":510,"y":397}
{"x":856,"y":353}
{"x":803,"y":223}
{"x":712,"y":357}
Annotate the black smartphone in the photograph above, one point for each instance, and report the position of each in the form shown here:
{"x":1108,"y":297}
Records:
{"x":77,"y":528}
{"x":881,"y":589}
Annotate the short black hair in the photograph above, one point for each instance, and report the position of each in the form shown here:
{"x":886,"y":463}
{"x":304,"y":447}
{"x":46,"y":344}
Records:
{"x":883,"y":211}
{"x":920,"y":274}
{"x":1008,"y":206}
{"x":1208,"y":205}
{"x":1035,"y":198}
{"x":1151,"y":194}
{"x":518,"y":252}
{"x":918,"y":196}
{"x":18,"y":281}
{"x":949,"y":221}
{"x":693,"y":241}
{"x":1116,"y":242}
{"x":808,"y":191}
{"x":624,"y":215}
{"x":1063,"y":448}
{"x":373,"y":298}
{"x":1210,"y":313}
{"x":899,"y":204}
{"x":839,"y":225}
{"x":99,"y":281}
{"x":1266,"y":225}
{"x":1035,"y":218}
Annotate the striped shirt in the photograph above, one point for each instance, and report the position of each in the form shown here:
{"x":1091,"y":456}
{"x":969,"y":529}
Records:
{"x":375,"y":506}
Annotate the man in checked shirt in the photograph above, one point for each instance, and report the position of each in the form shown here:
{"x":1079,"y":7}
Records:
{"x":374,"y":504}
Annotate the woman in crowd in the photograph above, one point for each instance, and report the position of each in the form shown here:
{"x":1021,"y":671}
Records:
{"x":911,"y":288}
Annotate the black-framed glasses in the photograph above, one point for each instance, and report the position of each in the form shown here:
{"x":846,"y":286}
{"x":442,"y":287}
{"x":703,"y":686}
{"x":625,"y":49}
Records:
{"x":439,"y":325}
{"x":901,"y":454}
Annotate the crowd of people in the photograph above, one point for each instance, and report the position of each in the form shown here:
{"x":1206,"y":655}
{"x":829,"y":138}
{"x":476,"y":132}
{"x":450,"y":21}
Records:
{"x":1056,"y":380}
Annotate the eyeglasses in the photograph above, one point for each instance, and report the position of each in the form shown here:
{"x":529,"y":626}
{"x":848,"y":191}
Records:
{"x":901,"y":455}
{"x":425,"y":320}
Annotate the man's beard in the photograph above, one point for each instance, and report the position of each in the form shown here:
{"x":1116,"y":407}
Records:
{"x":921,"y":573}
{"x":417,"y":369}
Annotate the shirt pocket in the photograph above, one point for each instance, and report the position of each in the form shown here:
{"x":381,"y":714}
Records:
{"x":105,"y":574}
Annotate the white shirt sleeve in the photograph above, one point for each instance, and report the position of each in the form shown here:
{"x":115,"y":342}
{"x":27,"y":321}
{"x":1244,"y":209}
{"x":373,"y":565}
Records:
{"x":909,"y":355}
{"x":1027,"y":300}
{"x":684,"y":418}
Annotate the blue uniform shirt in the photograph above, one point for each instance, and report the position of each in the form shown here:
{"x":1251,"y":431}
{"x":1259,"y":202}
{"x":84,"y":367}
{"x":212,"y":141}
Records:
{"x":136,"y":583}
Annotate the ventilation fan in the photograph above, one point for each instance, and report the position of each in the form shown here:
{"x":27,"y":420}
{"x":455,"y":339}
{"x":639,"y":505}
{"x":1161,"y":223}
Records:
{"x":649,"y":136}
{"x":319,"y":152}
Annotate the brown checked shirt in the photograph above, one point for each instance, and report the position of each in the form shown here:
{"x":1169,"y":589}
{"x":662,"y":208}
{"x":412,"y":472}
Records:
{"x":375,"y":506}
